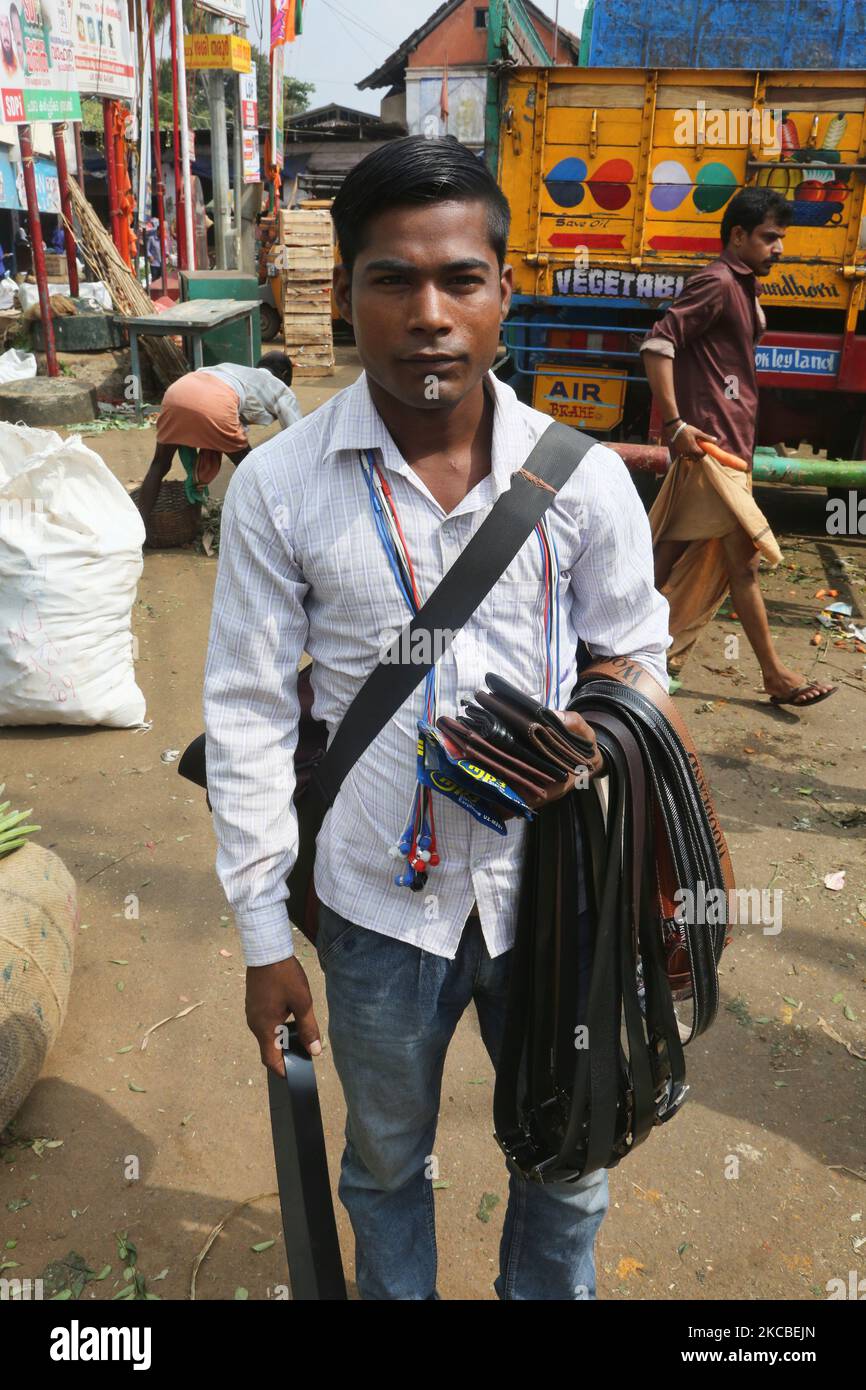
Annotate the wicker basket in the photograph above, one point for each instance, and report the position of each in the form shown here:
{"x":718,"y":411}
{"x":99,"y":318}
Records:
{"x":174,"y":520}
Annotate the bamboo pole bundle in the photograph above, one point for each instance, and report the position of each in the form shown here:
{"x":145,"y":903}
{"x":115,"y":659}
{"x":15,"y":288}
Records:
{"x":127,"y":295}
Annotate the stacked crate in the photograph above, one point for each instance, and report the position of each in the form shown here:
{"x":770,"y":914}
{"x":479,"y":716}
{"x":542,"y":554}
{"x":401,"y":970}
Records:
{"x":305,"y":259}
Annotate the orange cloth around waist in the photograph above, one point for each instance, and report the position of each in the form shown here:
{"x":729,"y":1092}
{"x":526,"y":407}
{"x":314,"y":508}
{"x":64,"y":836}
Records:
{"x":201,"y":410}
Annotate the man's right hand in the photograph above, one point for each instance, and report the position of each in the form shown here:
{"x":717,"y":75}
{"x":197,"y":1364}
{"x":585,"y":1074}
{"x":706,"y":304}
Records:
{"x":273,"y":993}
{"x":688,"y":441}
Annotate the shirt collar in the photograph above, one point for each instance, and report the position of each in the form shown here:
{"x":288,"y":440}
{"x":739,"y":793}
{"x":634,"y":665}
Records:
{"x":739,"y":267}
{"x":359,"y":426}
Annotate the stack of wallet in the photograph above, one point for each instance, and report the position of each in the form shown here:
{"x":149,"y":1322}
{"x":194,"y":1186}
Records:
{"x":509,"y":748}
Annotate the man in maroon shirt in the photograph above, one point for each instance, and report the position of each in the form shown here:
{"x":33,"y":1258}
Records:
{"x":700,"y":359}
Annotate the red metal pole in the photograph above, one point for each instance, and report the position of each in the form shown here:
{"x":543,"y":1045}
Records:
{"x":182,"y":250}
{"x":111,"y":170}
{"x":157,"y":149}
{"x":38,"y":253}
{"x":66,"y":207}
{"x":646,"y":458}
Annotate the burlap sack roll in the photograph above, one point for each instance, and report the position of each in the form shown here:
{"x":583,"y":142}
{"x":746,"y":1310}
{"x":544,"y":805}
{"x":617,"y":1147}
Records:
{"x":38,"y":921}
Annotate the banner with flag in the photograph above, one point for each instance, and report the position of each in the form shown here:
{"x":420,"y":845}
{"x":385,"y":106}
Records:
{"x":286,"y":26}
{"x":288,"y":21}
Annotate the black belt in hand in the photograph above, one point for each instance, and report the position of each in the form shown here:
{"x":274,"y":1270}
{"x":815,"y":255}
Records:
{"x":584,"y":1076}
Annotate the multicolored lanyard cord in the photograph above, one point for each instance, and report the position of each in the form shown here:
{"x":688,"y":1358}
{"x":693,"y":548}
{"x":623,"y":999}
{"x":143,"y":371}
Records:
{"x":417,"y":844}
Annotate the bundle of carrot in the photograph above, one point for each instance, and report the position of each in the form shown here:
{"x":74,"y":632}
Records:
{"x":722,"y":456}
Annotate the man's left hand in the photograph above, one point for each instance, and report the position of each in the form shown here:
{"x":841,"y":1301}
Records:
{"x":578,"y":726}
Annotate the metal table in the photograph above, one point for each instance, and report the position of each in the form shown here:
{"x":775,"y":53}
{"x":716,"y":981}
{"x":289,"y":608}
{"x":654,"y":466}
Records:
{"x":191,"y":319}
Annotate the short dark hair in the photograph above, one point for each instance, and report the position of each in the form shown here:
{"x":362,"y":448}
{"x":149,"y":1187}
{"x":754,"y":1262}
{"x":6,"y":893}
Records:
{"x":279,"y":364}
{"x":752,"y":206}
{"x":416,"y":170}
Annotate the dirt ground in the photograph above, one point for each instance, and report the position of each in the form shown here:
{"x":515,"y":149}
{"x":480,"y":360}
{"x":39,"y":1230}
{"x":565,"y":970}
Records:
{"x":752,"y":1192}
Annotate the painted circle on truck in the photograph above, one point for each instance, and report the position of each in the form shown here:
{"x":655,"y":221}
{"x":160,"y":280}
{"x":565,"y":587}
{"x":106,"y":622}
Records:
{"x":609,"y":184}
{"x":716,"y":185}
{"x":672,"y":183}
{"x":564,"y":183}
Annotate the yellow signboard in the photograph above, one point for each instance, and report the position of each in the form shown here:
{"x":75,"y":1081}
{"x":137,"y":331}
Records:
{"x":225,"y":51}
{"x":793,"y":284}
{"x":593,"y":399}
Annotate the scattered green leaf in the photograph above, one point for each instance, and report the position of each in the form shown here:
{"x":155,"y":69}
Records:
{"x":262,"y":1245}
{"x":241,"y":1294}
{"x":849,"y":1014}
{"x":488,"y":1201}
{"x":132,"y":1086}
{"x":740,"y":1009}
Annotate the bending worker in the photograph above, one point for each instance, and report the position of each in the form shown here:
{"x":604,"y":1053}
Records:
{"x":204,"y":414}
{"x":708,"y":533}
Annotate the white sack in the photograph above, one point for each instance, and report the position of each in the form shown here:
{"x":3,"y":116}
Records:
{"x":16,"y":365}
{"x":94,"y":292}
{"x":70,"y":560}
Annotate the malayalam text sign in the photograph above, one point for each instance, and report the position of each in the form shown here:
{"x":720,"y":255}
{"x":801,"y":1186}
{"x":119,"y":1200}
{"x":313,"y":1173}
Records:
{"x":37,"y":62}
{"x":217,"y":51}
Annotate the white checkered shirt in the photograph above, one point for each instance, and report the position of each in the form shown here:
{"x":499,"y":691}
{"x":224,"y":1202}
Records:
{"x":301,"y":568}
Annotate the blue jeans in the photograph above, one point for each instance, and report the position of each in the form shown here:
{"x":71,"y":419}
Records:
{"x":393,"y":1010}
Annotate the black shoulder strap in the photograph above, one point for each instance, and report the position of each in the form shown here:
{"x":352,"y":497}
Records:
{"x":500,"y":536}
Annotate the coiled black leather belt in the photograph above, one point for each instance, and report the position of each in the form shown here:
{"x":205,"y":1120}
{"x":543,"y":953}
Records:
{"x":586,"y":1073}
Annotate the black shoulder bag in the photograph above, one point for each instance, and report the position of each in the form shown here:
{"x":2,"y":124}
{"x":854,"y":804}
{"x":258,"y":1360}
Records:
{"x":321,"y":773}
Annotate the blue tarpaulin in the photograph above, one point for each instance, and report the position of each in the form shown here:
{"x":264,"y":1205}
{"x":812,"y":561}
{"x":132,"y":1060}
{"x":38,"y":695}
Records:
{"x":790,"y":34}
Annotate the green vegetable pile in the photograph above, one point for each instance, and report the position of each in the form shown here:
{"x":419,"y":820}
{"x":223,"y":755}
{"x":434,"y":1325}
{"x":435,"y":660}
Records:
{"x":12,"y":832}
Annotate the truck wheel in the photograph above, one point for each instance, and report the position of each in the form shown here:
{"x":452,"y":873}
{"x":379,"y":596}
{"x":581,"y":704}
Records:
{"x":271,"y":323}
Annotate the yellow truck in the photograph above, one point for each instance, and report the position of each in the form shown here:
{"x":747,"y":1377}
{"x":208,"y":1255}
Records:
{"x":618,"y":179}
